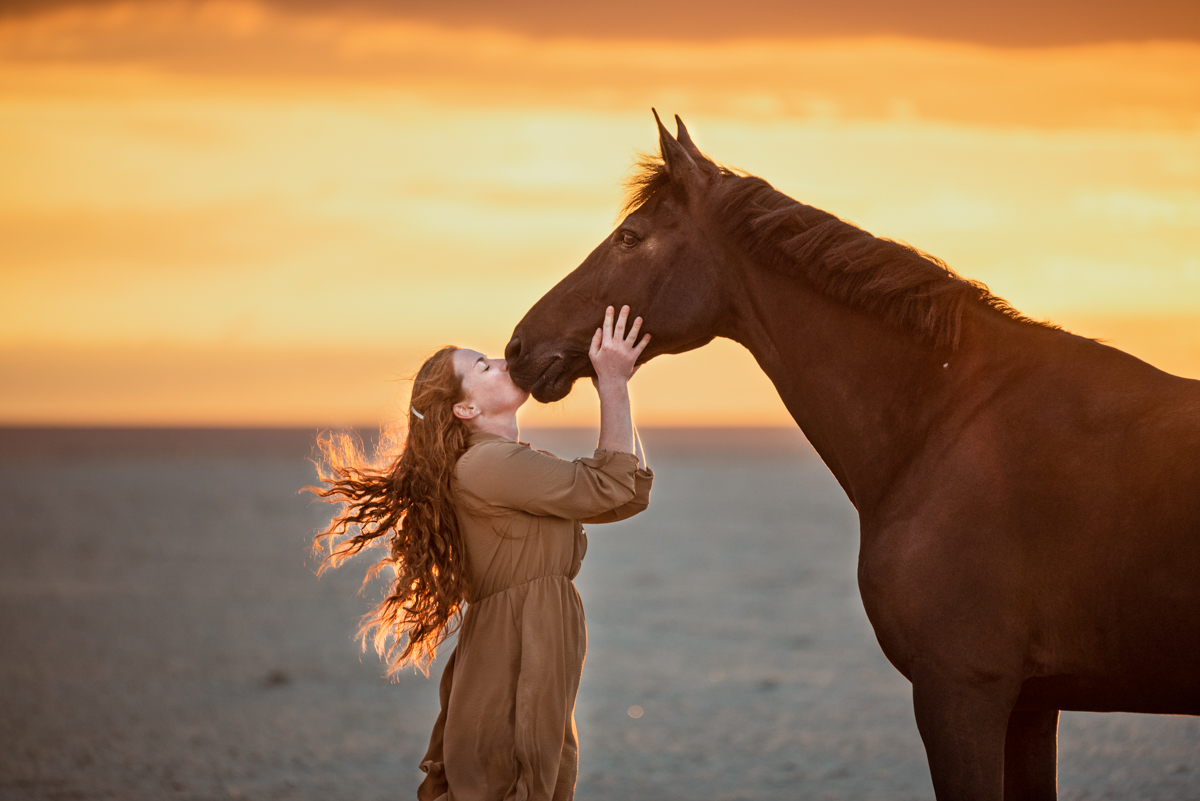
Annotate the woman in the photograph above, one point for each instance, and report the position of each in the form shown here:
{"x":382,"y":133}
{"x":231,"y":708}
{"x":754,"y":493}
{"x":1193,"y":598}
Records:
{"x":474,"y":517}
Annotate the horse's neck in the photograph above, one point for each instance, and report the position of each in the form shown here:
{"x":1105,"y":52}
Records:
{"x":864,"y":394}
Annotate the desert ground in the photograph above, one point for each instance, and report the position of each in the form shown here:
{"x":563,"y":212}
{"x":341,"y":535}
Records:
{"x":165,"y":637}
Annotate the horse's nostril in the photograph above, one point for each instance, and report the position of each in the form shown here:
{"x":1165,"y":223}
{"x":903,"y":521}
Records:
{"x":513,"y":349}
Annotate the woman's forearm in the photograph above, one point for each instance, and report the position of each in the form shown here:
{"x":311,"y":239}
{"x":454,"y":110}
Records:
{"x":616,"y":420}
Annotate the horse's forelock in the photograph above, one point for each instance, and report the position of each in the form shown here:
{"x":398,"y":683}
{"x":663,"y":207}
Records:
{"x":647,"y":177}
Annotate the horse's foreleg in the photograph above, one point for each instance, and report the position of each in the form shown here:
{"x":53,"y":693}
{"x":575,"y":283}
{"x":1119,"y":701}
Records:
{"x":963,"y":727}
{"x":1031,"y":756}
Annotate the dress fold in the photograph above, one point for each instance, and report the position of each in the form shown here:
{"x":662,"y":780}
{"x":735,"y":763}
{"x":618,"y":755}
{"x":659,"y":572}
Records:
{"x":506,"y":729}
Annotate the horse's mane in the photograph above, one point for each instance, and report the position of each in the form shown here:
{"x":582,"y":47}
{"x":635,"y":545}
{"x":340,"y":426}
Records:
{"x":906,"y":287}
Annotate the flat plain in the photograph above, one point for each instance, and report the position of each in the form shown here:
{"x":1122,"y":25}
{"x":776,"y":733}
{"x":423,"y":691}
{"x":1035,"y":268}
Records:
{"x":165,"y":637}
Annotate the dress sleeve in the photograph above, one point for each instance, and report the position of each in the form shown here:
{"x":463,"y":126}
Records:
{"x":642,"y":481}
{"x":512,"y":476}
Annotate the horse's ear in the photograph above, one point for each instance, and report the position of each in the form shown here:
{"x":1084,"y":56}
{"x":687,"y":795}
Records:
{"x":685,"y":139}
{"x":679,"y":162}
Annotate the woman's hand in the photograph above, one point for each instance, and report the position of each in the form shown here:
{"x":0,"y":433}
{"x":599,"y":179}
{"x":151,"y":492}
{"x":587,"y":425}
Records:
{"x":614,"y":356}
{"x":614,"y":353}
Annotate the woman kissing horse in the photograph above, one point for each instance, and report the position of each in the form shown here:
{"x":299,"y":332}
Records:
{"x":1029,"y":500}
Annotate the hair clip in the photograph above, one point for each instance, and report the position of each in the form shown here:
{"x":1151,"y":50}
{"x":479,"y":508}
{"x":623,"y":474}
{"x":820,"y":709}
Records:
{"x":418,"y":414}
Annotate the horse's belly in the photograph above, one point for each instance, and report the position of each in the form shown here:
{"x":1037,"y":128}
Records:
{"x":1110,"y":694}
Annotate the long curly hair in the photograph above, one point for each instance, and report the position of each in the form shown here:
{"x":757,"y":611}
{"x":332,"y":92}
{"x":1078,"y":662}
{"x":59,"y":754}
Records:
{"x":401,"y":499}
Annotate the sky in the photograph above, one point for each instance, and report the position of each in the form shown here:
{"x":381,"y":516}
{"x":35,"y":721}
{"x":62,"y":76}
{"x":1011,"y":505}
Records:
{"x":266,"y":213}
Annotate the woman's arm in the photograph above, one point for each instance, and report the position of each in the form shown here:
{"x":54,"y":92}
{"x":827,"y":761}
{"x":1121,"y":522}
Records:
{"x":639,"y":452}
{"x":512,"y":476}
{"x":614,"y":356}
{"x":643,"y":480}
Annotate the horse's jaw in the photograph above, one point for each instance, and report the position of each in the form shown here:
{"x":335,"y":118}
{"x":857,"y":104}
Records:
{"x":550,"y":378}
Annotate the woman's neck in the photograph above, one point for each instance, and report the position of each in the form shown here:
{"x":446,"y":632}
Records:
{"x":505,"y":426}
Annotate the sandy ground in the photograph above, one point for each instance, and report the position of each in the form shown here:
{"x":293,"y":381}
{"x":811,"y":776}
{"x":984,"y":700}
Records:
{"x":164,"y":637}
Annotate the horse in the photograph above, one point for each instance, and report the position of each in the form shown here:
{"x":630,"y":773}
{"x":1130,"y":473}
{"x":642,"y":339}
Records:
{"x":1028,"y":499}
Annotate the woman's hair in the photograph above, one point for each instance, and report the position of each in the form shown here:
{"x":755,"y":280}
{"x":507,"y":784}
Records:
{"x":402,"y":499}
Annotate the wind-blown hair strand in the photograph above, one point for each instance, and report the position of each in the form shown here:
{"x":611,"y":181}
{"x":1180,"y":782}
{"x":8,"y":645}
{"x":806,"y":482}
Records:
{"x":401,"y":499}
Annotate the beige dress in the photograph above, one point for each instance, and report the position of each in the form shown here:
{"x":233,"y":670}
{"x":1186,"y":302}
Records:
{"x":507,"y":725}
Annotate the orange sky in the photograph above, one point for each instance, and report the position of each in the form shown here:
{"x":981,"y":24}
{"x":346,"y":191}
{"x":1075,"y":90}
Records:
{"x":1013,"y":23}
{"x":225,"y":213}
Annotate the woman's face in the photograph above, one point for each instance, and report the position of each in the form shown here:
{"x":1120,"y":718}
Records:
{"x":488,"y":390}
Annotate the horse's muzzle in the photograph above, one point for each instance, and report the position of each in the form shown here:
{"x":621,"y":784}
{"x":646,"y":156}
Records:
{"x":512,"y":351}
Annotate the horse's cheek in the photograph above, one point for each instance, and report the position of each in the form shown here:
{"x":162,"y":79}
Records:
{"x":690,"y":299}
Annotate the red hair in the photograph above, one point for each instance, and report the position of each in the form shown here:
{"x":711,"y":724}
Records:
{"x":404,"y":502}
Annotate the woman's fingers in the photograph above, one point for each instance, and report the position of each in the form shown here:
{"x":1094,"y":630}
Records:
{"x":641,"y":346}
{"x":619,"y":330}
{"x":633,"y":330}
{"x":597,"y":339}
{"x":612,"y":350}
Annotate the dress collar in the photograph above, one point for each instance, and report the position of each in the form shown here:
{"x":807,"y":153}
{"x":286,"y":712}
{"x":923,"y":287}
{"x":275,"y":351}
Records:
{"x":476,"y":437}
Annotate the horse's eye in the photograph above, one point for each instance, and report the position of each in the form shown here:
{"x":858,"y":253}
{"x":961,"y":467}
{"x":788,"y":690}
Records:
{"x":627,"y":238}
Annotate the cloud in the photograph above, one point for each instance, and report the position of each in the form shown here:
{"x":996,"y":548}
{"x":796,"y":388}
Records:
{"x":230,"y":384}
{"x":240,"y":47}
{"x":1019,"y":23}
{"x":190,"y":192}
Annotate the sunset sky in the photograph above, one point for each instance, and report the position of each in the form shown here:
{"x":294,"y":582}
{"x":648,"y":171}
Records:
{"x":265,"y":213}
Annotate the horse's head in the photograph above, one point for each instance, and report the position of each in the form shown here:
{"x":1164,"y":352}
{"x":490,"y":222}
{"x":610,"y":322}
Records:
{"x":659,"y":261}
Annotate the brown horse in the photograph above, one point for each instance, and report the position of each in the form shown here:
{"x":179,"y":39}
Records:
{"x":1029,"y":500}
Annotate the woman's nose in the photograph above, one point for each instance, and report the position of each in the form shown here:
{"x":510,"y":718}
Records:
{"x":502,"y":364}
